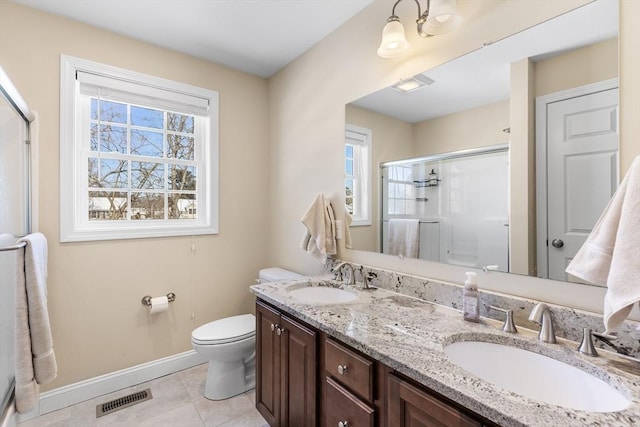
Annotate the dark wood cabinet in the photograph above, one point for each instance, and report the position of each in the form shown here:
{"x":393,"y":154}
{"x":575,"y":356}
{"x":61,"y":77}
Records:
{"x":267,"y":364}
{"x":286,"y":369}
{"x":304,"y":378}
{"x":349,"y":387}
{"x":411,"y":406}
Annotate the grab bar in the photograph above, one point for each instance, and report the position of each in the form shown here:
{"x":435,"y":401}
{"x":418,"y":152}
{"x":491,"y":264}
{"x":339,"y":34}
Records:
{"x":13,"y":247}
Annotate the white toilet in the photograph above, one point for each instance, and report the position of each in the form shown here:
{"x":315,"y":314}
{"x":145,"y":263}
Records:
{"x":229,"y":345}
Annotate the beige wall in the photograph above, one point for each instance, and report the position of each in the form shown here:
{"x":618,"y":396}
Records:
{"x":579,"y":67}
{"x":482,"y":126}
{"x":629,"y":82}
{"x":95,"y":288}
{"x":522,"y":202}
{"x":391,"y":139}
{"x":306,"y":143}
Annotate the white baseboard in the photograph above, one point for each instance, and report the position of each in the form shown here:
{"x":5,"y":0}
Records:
{"x":88,"y":389}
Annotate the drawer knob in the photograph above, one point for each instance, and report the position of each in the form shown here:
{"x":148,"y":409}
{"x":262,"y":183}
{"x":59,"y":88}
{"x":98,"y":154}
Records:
{"x":343,"y":424}
{"x":273,"y":327}
{"x":280,"y":331}
{"x":342,"y":369}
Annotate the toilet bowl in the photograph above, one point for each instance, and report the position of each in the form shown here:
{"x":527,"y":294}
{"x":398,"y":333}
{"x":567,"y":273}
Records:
{"x":229,"y":346}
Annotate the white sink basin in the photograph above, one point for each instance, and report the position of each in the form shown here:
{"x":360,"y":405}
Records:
{"x":322,"y":295}
{"x":536,"y":376}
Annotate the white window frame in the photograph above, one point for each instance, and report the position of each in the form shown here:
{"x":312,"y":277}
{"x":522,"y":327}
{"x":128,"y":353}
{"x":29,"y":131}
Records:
{"x":74,"y":219}
{"x":360,"y":138}
{"x":407,"y":187}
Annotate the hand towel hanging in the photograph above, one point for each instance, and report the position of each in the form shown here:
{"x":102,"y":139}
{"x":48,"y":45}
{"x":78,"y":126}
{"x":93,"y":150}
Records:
{"x":404,"y":237}
{"x":611,"y":254}
{"x":319,"y":239}
{"x":35,"y":359}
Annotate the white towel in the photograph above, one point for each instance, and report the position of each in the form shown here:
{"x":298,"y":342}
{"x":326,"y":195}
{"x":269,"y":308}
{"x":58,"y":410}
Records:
{"x":611,"y":254}
{"x":404,"y":237}
{"x":35,"y":359}
{"x":319,"y":238}
{"x":348,"y":219}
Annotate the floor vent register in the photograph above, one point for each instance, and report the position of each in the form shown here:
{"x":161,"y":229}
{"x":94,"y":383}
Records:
{"x":123,"y":402}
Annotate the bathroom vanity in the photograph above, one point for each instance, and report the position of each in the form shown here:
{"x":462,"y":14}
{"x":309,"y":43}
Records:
{"x":306,"y":377}
{"x":378,"y":360}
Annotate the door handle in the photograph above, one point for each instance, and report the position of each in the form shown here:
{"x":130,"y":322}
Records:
{"x":557,"y":243}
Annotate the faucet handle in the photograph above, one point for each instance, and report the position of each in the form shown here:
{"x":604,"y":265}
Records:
{"x":609,"y":337}
{"x":509,"y":325}
{"x":586,"y":347}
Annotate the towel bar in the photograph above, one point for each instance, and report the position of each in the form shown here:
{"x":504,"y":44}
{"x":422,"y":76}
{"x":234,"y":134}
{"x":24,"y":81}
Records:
{"x":13,"y":247}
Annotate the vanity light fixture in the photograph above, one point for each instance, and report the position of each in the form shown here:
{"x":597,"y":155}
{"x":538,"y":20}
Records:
{"x":440,"y":16}
{"x":412,"y":83}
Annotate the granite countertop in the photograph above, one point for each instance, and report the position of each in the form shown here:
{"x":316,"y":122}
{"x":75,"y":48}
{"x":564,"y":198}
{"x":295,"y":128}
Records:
{"x":409,"y":334}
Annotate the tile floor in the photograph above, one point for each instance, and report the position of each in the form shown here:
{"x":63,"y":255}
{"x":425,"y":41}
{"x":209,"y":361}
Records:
{"x":178,"y":400}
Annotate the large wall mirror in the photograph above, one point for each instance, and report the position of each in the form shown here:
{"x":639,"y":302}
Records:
{"x":503,"y":158}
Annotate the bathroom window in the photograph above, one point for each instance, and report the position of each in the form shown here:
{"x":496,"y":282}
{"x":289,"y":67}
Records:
{"x":358,"y":174}
{"x":139,"y":155}
{"x":400,"y":191}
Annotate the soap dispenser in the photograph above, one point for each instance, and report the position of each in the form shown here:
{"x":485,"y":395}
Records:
{"x":470,"y":298}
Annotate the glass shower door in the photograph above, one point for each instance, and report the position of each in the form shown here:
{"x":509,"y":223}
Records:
{"x":14,"y":223}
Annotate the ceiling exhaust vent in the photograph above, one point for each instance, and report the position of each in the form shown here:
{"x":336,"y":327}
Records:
{"x":123,"y":402}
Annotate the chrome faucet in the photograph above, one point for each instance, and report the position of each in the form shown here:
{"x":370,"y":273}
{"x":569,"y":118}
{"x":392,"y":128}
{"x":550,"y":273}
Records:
{"x":352,"y":276}
{"x":541,"y":314}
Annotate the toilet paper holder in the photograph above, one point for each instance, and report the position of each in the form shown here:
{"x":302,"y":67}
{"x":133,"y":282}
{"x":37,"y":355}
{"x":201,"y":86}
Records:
{"x":146,"y":300}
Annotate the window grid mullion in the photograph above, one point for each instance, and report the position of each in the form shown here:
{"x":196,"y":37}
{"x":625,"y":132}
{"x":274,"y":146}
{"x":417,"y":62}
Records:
{"x":165,"y":151}
{"x":129,"y":165}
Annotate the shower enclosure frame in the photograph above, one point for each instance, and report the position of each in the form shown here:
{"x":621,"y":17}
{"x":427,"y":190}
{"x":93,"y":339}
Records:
{"x":23,"y":221}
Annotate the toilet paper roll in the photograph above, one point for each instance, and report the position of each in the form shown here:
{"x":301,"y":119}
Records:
{"x":159,"y":304}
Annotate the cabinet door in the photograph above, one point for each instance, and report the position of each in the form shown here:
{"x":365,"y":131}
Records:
{"x":410,"y":406}
{"x":299,"y":373}
{"x":267,"y":364}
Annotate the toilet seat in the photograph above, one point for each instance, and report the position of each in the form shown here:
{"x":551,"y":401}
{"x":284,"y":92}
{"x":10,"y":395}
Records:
{"x":227,"y":330}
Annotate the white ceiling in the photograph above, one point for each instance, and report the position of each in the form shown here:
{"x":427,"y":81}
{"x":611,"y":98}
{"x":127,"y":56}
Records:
{"x":482,"y":77}
{"x":256,"y":36}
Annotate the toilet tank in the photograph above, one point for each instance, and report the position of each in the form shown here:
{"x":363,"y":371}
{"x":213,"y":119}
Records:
{"x":274,"y":274}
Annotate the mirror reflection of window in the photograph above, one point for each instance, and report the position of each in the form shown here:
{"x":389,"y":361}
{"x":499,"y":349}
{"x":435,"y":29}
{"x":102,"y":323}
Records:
{"x":358,"y":174}
{"x":401,"y":197}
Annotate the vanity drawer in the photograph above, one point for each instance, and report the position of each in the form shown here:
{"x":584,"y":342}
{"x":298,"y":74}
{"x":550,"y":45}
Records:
{"x":350,"y":369}
{"x":344,"y":409}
